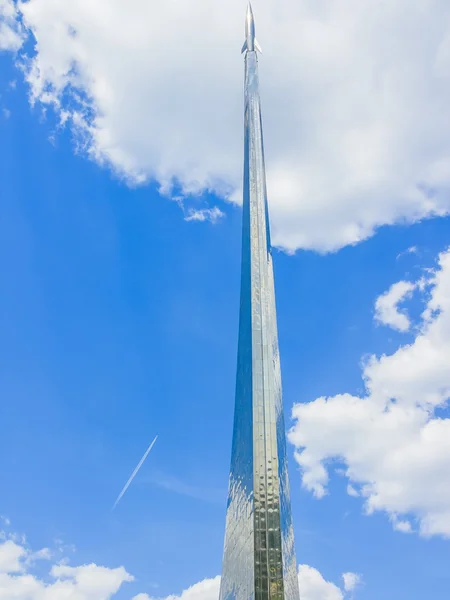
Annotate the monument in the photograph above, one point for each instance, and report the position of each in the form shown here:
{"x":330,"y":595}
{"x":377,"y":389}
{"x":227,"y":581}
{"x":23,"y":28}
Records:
{"x":259,"y":557}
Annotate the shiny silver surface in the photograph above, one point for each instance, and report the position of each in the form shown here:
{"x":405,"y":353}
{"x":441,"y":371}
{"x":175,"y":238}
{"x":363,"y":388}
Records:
{"x":251,"y":43}
{"x":259,"y":557}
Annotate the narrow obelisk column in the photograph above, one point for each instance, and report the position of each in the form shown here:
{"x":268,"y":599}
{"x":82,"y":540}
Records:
{"x":259,"y":557}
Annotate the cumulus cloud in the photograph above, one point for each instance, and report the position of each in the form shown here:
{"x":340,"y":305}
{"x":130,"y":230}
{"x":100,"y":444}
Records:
{"x":208,"y":589}
{"x":86,"y":582}
{"x":11,"y":555}
{"x":93,"y":582}
{"x":395,"y":440}
{"x":11,"y":34}
{"x":355,"y":103}
{"x":386,"y":306}
{"x":312,"y":584}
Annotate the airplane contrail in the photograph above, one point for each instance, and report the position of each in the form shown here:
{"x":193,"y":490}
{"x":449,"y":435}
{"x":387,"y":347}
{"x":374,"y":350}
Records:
{"x":133,"y":475}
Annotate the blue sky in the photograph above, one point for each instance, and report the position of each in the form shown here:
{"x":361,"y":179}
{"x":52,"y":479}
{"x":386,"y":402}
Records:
{"x":119,"y":321}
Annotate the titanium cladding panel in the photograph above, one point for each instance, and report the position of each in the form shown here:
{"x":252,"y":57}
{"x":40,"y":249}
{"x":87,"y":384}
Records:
{"x":259,"y":557}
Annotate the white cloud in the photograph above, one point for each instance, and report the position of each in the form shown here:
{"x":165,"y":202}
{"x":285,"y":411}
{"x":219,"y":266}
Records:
{"x":93,"y":582}
{"x":393,"y":443}
{"x":11,"y":35}
{"x":386,"y":306}
{"x":62,"y":547}
{"x":352,"y":491}
{"x":43,"y":554}
{"x":206,"y":214}
{"x":410,"y":250}
{"x":401,"y":525}
{"x":351,"y":581}
{"x":314,"y":587}
{"x":86,"y":582}
{"x":208,"y":589}
{"x":11,"y":555}
{"x":355,"y":102}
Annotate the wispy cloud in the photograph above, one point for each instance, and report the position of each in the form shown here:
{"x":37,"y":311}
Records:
{"x":42,"y":554}
{"x":184,"y":488}
{"x":213,"y":215}
{"x":351,"y":581}
{"x":410,"y":250}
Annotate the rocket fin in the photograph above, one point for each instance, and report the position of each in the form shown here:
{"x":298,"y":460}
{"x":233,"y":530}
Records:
{"x":257,"y":46}
{"x":244,"y":47}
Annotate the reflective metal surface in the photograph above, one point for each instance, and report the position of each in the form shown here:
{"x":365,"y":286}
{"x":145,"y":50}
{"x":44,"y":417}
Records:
{"x":259,"y":556}
{"x":251,"y":42}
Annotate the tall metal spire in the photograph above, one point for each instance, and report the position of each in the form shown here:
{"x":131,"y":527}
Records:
{"x":251,"y":43}
{"x":259,"y":557}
